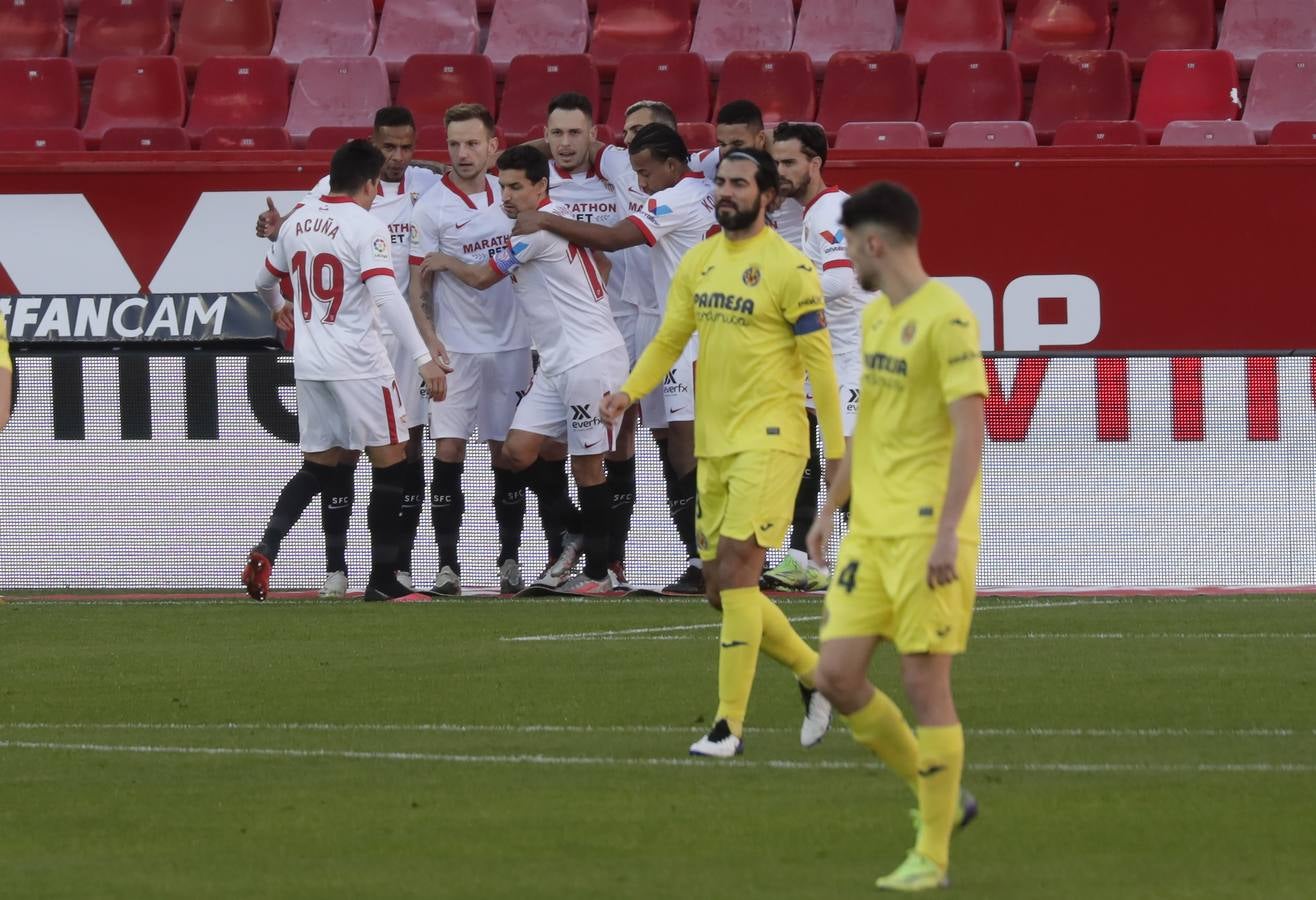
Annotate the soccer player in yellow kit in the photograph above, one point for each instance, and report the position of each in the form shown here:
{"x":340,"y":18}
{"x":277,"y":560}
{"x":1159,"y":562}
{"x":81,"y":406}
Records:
{"x":905,"y":572}
{"x":757,"y":303}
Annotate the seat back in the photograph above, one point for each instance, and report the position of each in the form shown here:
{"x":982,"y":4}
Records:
{"x":964,"y":86}
{"x":881,"y":136}
{"x":935,"y":26}
{"x":780,"y":84}
{"x":827,"y":27}
{"x":880,"y":87}
{"x":430,"y":83}
{"x":136,"y":90}
{"x":336,"y":91}
{"x":39,"y":93}
{"x":725,"y":26}
{"x":245,"y":91}
{"x":1081,"y":84}
{"x":678,"y":79}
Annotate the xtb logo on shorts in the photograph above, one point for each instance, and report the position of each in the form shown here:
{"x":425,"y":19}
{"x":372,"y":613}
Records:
{"x":582,"y":419}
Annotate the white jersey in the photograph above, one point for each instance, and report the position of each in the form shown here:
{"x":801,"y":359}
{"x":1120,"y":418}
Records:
{"x":329,"y":248}
{"x":471,"y":228}
{"x":672,"y":221}
{"x":589,"y":198}
{"x":824,"y":245}
{"x":561,"y":295}
{"x":788,"y":220}
{"x":614,"y":164}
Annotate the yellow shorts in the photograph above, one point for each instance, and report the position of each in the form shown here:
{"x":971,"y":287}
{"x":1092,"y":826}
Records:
{"x":879,"y":589}
{"x":744,"y":495}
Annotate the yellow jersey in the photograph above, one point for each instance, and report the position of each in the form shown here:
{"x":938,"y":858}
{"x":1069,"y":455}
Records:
{"x":758,"y":307}
{"x":5,"y":361}
{"x":917,"y":359}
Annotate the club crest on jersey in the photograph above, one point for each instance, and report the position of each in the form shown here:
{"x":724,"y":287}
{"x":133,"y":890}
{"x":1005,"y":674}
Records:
{"x":908,"y":332}
{"x":751,"y":276}
{"x":655,"y":209}
{"x":380,"y":245}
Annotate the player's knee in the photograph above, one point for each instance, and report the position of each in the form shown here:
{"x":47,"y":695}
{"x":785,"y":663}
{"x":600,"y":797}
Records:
{"x":839,"y":683}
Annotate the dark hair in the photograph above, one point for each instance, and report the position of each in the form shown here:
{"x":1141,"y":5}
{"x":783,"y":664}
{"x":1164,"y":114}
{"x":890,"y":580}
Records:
{"x":352,"y":165}
{"x":662,"y":113}
{"x":394,"y":117}
{"x":766,"y":174}
{"x":741,"y":112}
{"x":883,"y":203}
{"x":464,"y":112}
{"x":572,"y":100}
{"x":663,"y":141}
{"x":812,"y":138}
{"x":525,"y":158}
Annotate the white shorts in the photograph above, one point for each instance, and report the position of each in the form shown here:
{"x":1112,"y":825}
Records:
{"x":847,"y":377}
{"x":626,"y":317}
{"x":483,"y":390}
{"x":652,"y":412}
{"x":565,"y":405}
{"x":410,"y":386}
{"x":356,"y":414}
{"x":679,"y":385}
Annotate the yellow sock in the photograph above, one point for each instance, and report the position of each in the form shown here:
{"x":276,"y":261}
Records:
{"x":880,"y":727}
{"x":783,"y":643}
{"x":742,"y":634}
{"x":940,"y":764}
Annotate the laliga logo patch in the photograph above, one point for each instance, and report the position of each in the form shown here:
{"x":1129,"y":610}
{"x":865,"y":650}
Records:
{"x":907,"y":334}
{"x":414,"y":234}
{"x":751,"y":276}
{"x":380,"y":245}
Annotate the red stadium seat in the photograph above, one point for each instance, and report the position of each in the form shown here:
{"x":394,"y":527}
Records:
{"x":536,"y":26}
{"x":1081,"y":84}
{"x":236,"y":137}
{"x":678,"y":79}
{"x":136,"y":90}
{"x":209,"y":28}
{"x":120,"y":28}
{"x":698,"y":135}
{"x":324,"y":28}
{"x":965,"y":86}
{"x":38,"y":93}
{"x":133,"y":137}
{"x":251,"y":92}
{"x":41,"y":139}
{"x":623,"y":27}
{"x":1252,"y":27}
{"x":533,"y":80}
{"x":879,"y":87}
{"x":336,"y":92}
{"x":432,"y":83}
{"x":1283,"y":87}
{"x":781,"y":84}
{"x":826,"y":27}
{"x":1293,"y":133}
{"x":32,"y":29}
{"x":725,"y":26}
{"x":1207,"y":134}
{"x":331,"y":137}
{"x":934,"y":26}
{"x":1142,"y":26}
{"x":1091,"y":133}
{"x":408,"y":27}
{"x":881,"y":136}
{"x":989,"y":134}
{"x":1187,"y":84}
{"x":1044,"y":26}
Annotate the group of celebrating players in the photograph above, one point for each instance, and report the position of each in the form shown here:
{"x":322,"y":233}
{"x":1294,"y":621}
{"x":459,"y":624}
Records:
{"x":544,"y":306}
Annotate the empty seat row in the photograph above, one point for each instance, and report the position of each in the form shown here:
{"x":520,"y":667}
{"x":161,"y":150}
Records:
{"x":318,"y":28}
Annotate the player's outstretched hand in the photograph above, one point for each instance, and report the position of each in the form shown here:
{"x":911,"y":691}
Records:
{"x":528,"y":222}
{"x":941,"y":563}
{"x":283,"y":317}
{"x":268,"y":222}
{"x":434,"y":262}
{"x":816,"y":540}
{"x":614,"y":406}
{"x":436,"y":379}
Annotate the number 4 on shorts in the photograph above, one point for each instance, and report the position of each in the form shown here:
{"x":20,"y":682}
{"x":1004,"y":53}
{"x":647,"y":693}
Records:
{"x":846,"y":578}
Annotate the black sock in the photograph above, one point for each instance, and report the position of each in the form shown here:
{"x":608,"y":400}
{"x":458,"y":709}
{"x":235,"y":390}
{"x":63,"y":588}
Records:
{"x":806,"y":498}
{"x":595,"y":503}
{"x":336,"y":514}
{"x":447,"y":505}
{"x":621,"y":483}
{"x":548,"y":479}
{"x":672,"y":481}
{"x":296,"y":495}
{"x":509,"y":511}
{"x":384,"y":516}
{"x":845,"y":514}
{"x":683,"y":512}
{"x":413,"y":501}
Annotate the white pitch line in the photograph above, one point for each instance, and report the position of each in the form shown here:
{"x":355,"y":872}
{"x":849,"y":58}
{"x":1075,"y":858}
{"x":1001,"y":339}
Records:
{"x":537,"y":759}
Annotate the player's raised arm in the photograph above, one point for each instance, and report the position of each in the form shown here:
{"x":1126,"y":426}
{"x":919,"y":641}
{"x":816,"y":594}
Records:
{"x":479,"y":276}
{"x":583,"y":234}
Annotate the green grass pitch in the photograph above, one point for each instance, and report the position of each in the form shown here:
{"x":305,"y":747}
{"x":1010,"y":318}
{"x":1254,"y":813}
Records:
{"x":1120,"y":747}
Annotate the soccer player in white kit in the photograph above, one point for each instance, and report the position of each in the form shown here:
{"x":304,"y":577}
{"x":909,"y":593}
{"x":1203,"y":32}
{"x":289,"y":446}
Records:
{"x":800,"y":150}
{"x":401,"y":186}
{"x":676,"y":215}
{"x":340,"y":262}
{"x":561,"y":290}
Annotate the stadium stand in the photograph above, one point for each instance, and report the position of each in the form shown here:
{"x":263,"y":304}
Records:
{"x":236,"y":91}
{"x":41,"y":139}
{"x":826,"y":27}
{"x":32,"y":29}
{"x":533,"y":80}
{"x":727,"y":26}
{"x":209,"y":28}
{"x":135,"y":90}
{"x":1252,"y":27}
{"x":1143,"y":26}
{"x":324,"y":28}
{"x":430,"y":83}
{"x":882,"y":87}
{"x":781,"y":84}
{"x":1187,"y":84}
{"x":1092,"y":133}
{"x":409,"y":27}
{"x":38,"y":93}
{"x":120,"y":28}
{"x":1081,"y":84}
{"x":1045,"y":26}
{"x":239,"y":138}
{"x":934,"y":26}
{"x":697,"y":135}
{"x":1293,"y":133}
{"x":336,"y":92}
{"x":964,"y":86}
{"x":537,"y":27}
{"x":961,"y":135}
{"x":623,"y":27}
{"x":1207,"y":134}
{"x":331,"y":137}
{"x":1282,"y":87}
{"x":679,"y":79}
{"x":134,"y":137}
{"x":881,"y":136}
